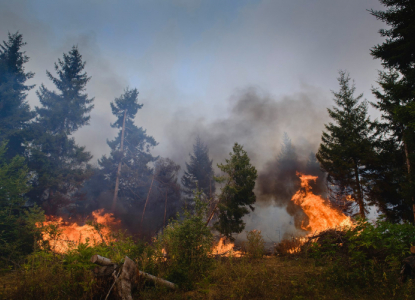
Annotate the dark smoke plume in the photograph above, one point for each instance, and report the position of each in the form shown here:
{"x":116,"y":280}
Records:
{"x":258,"y":121}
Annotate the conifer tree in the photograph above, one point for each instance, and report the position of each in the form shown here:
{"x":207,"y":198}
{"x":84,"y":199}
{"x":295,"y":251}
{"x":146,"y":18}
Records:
{"x":15,"y":113}
{"x":347,"y":143}
{"x":237,"y":193}
{"x":61,"y":165}
{"x":396,"y":101}
{"x":135,"y":172}
{"x":199,"y":172}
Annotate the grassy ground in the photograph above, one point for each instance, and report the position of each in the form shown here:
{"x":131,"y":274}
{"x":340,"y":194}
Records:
{"x":276,"y":278}
{"x":229,"y":278}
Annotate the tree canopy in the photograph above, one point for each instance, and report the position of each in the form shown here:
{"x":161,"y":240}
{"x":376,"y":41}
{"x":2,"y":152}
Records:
{"x":237,"y":194}
{"x":346,"y":144}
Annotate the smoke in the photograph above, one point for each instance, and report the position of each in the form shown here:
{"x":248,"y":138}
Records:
{"x":258,"y":120}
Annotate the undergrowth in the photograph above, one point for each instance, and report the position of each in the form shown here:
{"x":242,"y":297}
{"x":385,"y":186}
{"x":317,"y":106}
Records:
{"x":358,"y":263}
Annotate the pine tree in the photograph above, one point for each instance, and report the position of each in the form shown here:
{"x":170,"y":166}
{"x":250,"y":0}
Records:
{"x":134,"y":174}
{"x":61,"y":165}
{"x":199,"y":174}
{"x":15,"y":113}
{"x":237,"y":193}
{"x":65,"y":111}
{"x":396,"y":102}
{"x":347,"y":145}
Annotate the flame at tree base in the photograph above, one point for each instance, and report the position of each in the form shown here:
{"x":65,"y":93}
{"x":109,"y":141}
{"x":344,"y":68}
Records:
{"x":320,"y":215}
{"x":225,"y":248}
{"x":63,"y":236}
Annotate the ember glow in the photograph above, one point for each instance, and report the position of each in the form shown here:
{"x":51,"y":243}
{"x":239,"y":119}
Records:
{"x":69,"y":234}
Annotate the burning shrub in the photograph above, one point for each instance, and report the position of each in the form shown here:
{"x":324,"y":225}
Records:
{"x":289,"y":246}
{"x":255,"y":244}
{"x":187,"y":243}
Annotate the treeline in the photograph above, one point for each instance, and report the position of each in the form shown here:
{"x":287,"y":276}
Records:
{"x":43,"y":168}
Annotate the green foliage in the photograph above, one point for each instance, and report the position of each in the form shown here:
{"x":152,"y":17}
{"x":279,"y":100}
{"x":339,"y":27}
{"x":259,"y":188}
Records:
{"x":255,"y":244}
{"x":237,"y":193}
{"x":18,"y":231}
{"x":347,"y":145}
{"x":136,"y":174}
{"x":366,"y":255}
{"x":67,"y":110}
{"x":199,"y":172}
{"x":60,"y":165}
{"x":188,"y":244}
{"x":396,"y":102}
{"x":15,"y":112}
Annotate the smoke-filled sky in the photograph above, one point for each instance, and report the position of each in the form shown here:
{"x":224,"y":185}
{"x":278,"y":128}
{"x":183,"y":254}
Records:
{"x":230,"y":71}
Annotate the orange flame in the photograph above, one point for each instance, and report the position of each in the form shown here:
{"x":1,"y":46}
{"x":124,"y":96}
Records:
{"x":68,"y":235}
{"x":225,"y":248}
{"x":320,"y":215}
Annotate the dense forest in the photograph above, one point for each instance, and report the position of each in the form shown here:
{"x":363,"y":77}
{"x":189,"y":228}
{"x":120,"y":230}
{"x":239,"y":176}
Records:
{"x":160,"y":206}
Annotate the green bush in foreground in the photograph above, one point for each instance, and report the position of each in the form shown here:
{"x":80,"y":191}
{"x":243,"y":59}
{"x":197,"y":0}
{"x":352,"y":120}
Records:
{"x":368,"y":255}
{"x":255,"y":244}
{"x":188,"y":244}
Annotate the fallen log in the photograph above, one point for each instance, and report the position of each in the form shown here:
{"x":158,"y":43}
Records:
{"x":158,"y":280}
{"x":100,"y":260}
{"x":128,"y":275}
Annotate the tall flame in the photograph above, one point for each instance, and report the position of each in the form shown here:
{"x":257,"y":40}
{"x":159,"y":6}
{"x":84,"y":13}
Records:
{"x":71,"y":234}
{"x":320,"y":215}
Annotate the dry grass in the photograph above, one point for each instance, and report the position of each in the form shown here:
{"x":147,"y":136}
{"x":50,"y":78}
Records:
{"x":230,"y":278}
{"x":267,"y":278}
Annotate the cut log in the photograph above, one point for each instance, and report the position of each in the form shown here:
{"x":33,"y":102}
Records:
{"x":104,"y":270}
{"x":158,"y":280}
{"x":100,"y":260}
{"x":127,"y":279}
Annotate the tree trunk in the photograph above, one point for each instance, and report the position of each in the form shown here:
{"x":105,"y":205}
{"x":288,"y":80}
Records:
{"x":359,"y":193}
{"x":212,"y":214}
{"x":145,"y":205}
{"x":408,"y":166}
{"x":117,"y":181}
{"x":165,"y":210}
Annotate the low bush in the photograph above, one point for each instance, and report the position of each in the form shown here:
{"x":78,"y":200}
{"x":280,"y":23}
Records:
{"x":187,"y":243}
{"x":255,"y":244}
{"x":368,"y":255}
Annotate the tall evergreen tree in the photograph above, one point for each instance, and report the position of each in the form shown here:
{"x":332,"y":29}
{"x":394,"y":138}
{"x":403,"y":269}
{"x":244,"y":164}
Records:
{"x":67,"y":110}
{"x":396,"y":102}
{"x":15,"y":113}
{"x":237,"y":193}
{"x":199,"y":172}
{"x":61,"y":165}
{"x":347,"y":144}
{"x":135,"y":172}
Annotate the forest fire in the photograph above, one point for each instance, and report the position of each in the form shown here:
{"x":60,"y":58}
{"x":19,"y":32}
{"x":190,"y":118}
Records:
{"x":320,"y":216}
{"x":63,"y":235}
{"x":225,"y":248}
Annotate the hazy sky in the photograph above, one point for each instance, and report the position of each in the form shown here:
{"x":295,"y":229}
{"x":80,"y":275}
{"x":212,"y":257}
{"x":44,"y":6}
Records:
{"x":188,"y":58}
{"x":232,"y":71}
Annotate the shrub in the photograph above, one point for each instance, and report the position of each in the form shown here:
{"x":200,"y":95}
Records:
{"x":255,"y":244}
{"x":366,"y":255}
{"x":187,"y":242}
